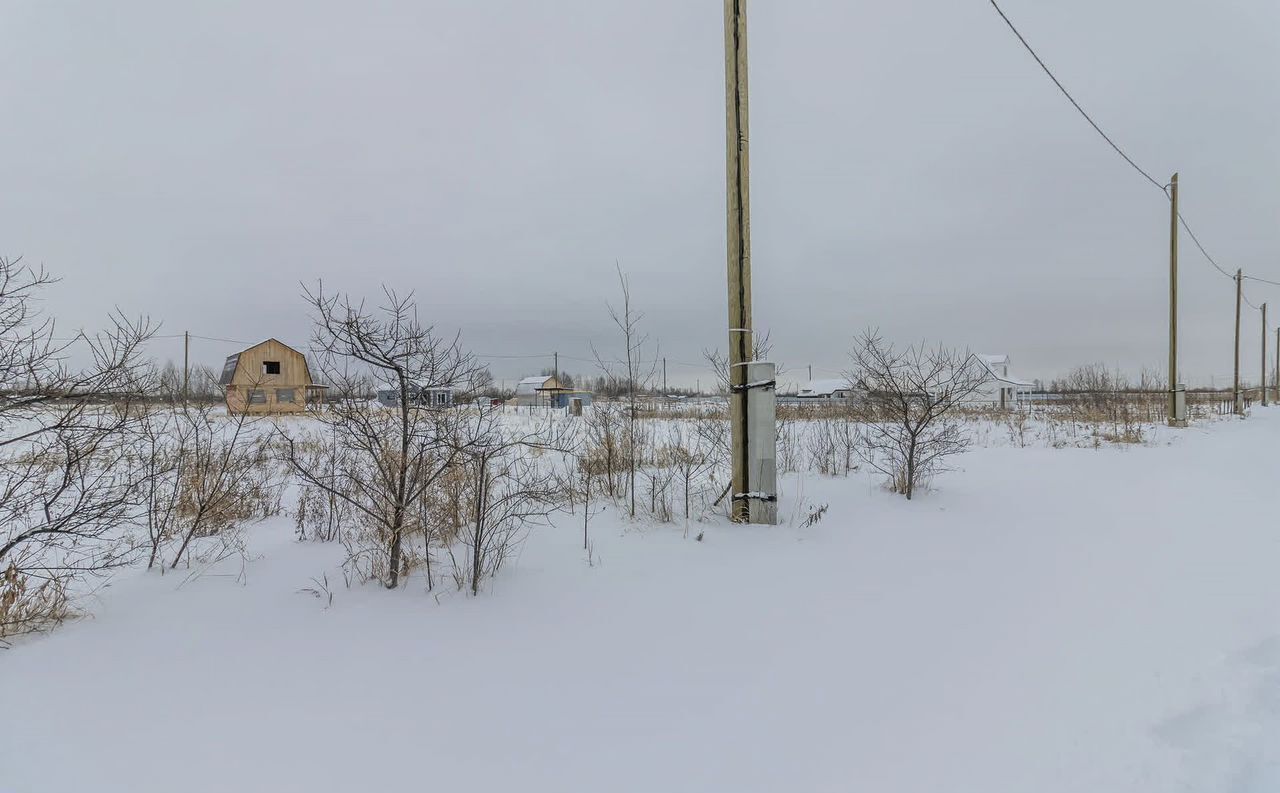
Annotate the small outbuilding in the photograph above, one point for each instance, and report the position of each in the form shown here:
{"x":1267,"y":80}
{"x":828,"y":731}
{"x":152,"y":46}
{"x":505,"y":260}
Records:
{"x":269,"y":377}
{"x":565,"y":398}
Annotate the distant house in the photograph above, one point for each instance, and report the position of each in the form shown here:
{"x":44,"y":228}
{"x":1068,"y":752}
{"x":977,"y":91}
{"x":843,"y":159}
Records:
{"x":269,"y":377}
{"x":1001,"y":388}
{"x":539,"y":390}
{"x":388,"y":395}
{"x":826,"y":390}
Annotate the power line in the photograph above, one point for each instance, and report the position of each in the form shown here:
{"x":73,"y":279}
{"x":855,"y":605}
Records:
{"x":1196,"y":240}
{"x":1159,"y":186}
{"x":215,"y":338}
{"x":1163,"y":188}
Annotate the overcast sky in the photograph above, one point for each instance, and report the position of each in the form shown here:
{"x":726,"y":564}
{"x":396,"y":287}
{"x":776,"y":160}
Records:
{"x":912,"y":169}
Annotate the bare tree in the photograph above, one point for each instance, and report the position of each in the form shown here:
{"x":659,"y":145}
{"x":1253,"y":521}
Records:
{"x":70,"y":480}
{"x":390,"y":457}
{"x":633,"y":372}
{"x":906,"y":406}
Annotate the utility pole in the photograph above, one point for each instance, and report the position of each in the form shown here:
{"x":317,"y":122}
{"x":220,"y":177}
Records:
{"x":739,"y":248}
{"x":1262,"y":383}
{"x":664,"y":375}
{"x":186,"y":366}
{"x":810,"y":373}
{"x":1175,"y":417}
{"x":1238,"y":402}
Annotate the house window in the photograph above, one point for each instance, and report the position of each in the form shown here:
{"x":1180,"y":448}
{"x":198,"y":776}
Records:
{"x":257,"y":396}
{"x":284,"y":395}
{"x":271,"y":367}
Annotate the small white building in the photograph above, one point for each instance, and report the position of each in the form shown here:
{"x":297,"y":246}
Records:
{"x":826,"y":390}
{"x":1002,"y":387}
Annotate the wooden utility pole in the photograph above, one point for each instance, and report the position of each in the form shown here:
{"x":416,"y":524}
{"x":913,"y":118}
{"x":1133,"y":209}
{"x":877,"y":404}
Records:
{"x":1238,"y":402}
{"x":1262,"y":383}
{"x":810,"y":373}
{"x":739,"y":247}
{"x":1173,"y":302}
{"x":664,"y":376}
{"x":186,"y":366}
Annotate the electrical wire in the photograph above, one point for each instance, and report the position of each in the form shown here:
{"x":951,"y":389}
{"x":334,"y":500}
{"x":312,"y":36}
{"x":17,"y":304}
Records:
{"x":1162,"y":187}
{"x":1196,"y":240}
{"x":1158,"y":185}
{"x":215,"y":338}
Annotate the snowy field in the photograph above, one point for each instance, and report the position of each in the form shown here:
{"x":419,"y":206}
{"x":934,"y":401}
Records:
{"x":1049,"y":620}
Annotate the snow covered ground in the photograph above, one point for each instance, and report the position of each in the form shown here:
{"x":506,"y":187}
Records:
{"x":1046,"y":620}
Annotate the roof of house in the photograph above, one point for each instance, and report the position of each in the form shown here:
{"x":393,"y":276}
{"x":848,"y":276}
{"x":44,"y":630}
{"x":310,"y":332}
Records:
{"x":537,"y":380}
{"x":233,"y":360}
{"x":825,"y":387}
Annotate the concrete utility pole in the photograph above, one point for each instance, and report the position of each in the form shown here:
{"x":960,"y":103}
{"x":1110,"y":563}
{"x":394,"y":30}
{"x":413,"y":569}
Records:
{"x":186,"y":366}
{"x":664,"y":376}
{"x":1237,"y":397}
{"x":1262,"y":383}
{"x":1176,"y":419}
{"x":739,"y":247}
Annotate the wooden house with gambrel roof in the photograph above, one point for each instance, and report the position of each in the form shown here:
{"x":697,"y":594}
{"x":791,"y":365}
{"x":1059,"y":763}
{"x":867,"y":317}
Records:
{"x":269,"y":377}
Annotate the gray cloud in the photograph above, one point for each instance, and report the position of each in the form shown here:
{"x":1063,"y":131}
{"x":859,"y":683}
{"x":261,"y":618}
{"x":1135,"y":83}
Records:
{"x":912,"y":169}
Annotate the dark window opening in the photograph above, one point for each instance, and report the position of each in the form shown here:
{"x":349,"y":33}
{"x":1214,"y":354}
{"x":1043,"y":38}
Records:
{"x":271,"y":367}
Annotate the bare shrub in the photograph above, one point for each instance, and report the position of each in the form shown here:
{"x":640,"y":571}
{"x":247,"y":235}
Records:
{"x":906,"y":408}
{"x":71,"y":480}
{"x":320,"y":514}
{"x":225,"y":478}
{"x":511,"y":492}
{"x":392,"y":457}
{"x":832,"y":441}
{"x":607,"y":450}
